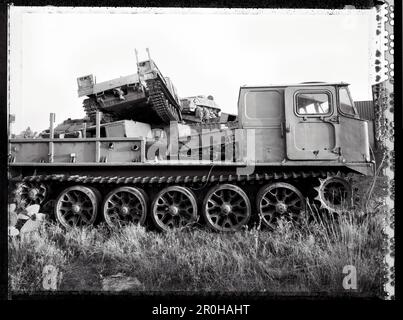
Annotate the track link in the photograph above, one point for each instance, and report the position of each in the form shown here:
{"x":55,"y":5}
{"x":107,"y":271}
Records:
{"x":161,"y":105}
{"x":91,"y":106}
{"x":82,"y":179}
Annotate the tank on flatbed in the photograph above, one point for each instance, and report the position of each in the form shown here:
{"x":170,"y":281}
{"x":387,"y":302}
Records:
{"x":146,"y":96}
{"x":199,"y":109}
{"x":155,"y":162}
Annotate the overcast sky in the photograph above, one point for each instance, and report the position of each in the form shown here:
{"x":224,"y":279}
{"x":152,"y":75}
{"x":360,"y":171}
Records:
{"x":203,"y":51}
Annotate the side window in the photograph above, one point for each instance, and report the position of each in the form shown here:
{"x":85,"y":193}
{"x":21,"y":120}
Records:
{"x":313,"y":103}
{"x":346,"y":105}
{"x":263,"y":104}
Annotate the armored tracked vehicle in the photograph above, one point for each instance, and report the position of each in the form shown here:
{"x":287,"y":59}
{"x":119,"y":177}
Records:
{"x":145,"y":96}
{"x":151,"y":161}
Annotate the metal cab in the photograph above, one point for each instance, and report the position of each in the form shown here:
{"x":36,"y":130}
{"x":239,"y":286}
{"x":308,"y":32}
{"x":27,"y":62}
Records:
{"x":308,"y":122}
{"x":311,"y":123}
{"x":323,"y":124}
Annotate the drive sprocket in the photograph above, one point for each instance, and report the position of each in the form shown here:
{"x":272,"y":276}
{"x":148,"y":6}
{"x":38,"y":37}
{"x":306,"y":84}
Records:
{"x":334,"y":193}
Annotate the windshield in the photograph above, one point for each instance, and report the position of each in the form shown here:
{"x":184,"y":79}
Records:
{"x":346,"y":105}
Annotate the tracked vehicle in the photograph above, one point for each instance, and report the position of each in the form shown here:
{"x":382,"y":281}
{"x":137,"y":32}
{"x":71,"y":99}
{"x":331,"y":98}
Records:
{"x":144,"y":96}
{"x":147,"y":162}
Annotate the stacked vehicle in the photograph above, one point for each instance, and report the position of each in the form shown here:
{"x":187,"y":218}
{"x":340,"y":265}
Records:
{"x":143,"y":154}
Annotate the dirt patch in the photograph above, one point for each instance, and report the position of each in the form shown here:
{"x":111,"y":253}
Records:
{"x":81,"y":276}
{"x":120,"y":282}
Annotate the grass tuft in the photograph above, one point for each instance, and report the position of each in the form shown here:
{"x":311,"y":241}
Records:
{"x":309,"y":257}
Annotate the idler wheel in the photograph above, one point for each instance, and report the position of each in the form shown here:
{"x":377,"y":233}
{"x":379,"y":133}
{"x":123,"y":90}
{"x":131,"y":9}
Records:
{"x":31,"y":193}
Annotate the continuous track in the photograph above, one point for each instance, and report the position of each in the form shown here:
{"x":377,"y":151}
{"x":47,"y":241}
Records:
{"x":83,"y":179}
{"x":91,"y":106}
{"x":226,"y":200}
{"x":161,"y":102}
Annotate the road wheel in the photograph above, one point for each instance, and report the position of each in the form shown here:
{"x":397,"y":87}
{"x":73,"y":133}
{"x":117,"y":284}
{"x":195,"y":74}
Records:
{"x":77,"y":206}
{"x":279,"y":200}
{"x":174,"y":207}
{"x":226,"y":207}
{"x":125,"y":205}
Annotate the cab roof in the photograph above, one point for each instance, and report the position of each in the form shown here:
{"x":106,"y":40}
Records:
{"x":302,"y":84}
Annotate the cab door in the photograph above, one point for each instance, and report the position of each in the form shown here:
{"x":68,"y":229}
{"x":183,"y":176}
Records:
{"x":311,"y":123}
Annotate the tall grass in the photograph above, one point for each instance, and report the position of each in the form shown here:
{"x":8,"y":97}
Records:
{"x":308,"y":257}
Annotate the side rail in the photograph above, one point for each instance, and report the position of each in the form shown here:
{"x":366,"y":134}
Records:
{"x":77,"y":150}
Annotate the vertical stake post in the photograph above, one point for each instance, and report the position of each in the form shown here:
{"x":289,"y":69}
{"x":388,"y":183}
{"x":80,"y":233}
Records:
{"x":11,"y":120}
{"x":52,"y":118}
{"x":85,"y":130}
{"x":137,"y":63}
{"x":148,"y":53}
{"x":98,"y":135}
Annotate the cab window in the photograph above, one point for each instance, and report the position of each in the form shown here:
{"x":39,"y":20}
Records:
{"x":263,"y":104}
{"x":346,"y":105}
{"x":313,"y":103}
